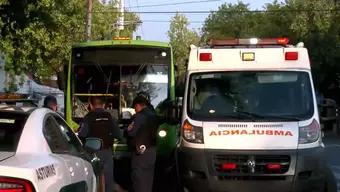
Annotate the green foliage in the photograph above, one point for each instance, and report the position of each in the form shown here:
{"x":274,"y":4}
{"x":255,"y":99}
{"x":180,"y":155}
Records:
{"x":181,"y":37}
{"x":314,"y":22}
{"x":104,"y":18}
{"x":37,"y":35}
{"x":230,"y":21}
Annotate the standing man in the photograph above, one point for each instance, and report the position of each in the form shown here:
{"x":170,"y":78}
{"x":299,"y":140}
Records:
{"x":100,"y":124}
{"x":51,"y":102}
{"x":141,"y":136}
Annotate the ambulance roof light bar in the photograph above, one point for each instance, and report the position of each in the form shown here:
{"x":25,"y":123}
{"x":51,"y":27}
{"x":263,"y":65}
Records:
{"x":252,"y":41}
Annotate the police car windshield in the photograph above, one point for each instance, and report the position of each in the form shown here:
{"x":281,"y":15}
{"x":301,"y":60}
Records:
{"x":250,"y":96}
{"x":11,"y":126}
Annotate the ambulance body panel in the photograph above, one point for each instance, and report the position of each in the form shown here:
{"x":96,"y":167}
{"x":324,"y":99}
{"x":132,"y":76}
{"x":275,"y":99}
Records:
{"x":250,"y":120}
{"x":265,"y":59}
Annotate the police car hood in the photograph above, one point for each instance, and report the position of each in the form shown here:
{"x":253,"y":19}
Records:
{"x":257,"y":136}
{"x":5,"y":155}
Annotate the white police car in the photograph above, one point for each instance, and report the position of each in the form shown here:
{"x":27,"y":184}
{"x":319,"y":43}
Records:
{"x":40,"y":153}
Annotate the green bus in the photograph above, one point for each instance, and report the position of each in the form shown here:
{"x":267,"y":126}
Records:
{"x":117,"y":70}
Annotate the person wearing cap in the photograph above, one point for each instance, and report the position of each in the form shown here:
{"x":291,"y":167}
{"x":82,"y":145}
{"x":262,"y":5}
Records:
{"x":51,"y":102}
{"x":99,"y":123}
{"x":141,"y":137}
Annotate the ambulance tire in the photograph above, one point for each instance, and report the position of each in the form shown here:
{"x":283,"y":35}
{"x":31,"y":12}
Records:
{"x":180,"y":186}
{"x":330,"y":181}
{"x":165,"y":177}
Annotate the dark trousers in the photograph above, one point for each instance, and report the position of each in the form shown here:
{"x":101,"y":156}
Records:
{"x":106,"y":156}
{"x":142,"y":167}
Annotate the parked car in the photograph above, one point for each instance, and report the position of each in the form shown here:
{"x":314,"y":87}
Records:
{"x":40,"y":152}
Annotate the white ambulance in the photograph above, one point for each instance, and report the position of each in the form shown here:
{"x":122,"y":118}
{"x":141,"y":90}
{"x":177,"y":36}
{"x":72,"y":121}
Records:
{"x":250,"y":120}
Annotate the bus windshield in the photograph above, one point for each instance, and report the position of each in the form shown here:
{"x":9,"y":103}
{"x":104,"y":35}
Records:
{"x":250,"y":96}
{"x":118,"y":75}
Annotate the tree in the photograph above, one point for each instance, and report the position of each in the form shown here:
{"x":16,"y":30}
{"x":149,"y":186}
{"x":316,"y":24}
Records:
{"x":181,"y":37}
{"x":318,"y":28}
{"x":313,"y":22}
{"x":230,"y":21}
{"x":2,"y":2}
{"x":36,"y":36}
{"x":104,"y":20}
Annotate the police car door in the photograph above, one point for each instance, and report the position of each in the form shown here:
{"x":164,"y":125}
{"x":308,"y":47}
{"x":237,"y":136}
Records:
{"x":62,"y":148}
{"x":79,"y":153}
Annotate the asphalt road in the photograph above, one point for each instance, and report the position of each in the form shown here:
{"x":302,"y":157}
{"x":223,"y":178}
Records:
{"x":332,"y":146}
{"x":166,"y":182}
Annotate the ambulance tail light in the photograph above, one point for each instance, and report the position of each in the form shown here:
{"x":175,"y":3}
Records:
{"x":205,"y":57}
{"x":309,"y":133}
{"x":192,"y":133}
{"x":8,"y":184}
{"x":229,"y":166}
{"x":291,"y":56}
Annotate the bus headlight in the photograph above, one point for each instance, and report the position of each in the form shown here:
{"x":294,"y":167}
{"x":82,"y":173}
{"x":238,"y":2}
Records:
{"x":192,"y":133}
{"x":309,"y":133}
{"x":162,"y":133}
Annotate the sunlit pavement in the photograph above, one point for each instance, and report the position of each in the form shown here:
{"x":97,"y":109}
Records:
{"x":332,"y":145}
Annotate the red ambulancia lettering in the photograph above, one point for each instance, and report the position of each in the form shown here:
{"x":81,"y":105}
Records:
{"x":235,"y":132}
{"x":252,"y":132}
{"x":278,"y":132}
{"x":213,"y":133}
{"x":244,"y":132}
{"x":288,"y":133}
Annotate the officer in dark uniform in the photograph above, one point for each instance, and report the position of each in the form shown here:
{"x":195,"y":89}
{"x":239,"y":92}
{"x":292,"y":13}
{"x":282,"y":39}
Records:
{"x":100,"y":124}
{"x":51,"y":102}
{"x":141,"y":137}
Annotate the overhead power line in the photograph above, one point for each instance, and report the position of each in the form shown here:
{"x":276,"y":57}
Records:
{"x":214,"y":11}
{"x":141,"y":26}
{"x":170,"y":4}
{"x":166,"y":21}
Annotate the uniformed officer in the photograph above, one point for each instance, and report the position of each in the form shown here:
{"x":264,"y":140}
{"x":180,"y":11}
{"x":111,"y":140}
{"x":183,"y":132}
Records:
{"x":141,"y":136}
{"x":51,"y":102}
{"x":100,"y":124}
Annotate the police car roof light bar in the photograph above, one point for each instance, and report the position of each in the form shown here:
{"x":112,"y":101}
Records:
{"x":252,"y":41}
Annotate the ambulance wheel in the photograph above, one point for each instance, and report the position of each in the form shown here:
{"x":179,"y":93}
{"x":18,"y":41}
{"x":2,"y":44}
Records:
{"x":330,"y":181}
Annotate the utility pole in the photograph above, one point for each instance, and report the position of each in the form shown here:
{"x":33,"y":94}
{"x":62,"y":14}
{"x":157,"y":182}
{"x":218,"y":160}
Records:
{"x":88,"y":20}
{"x":120,"y":20}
